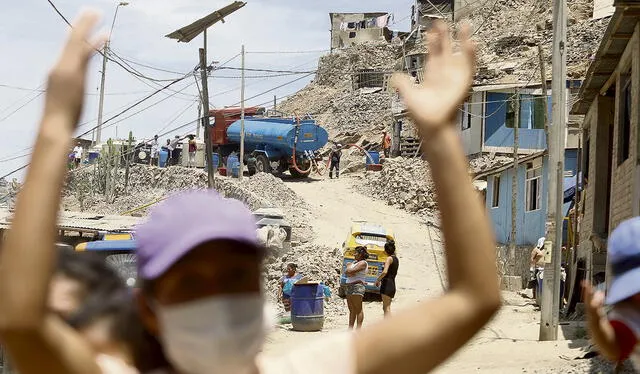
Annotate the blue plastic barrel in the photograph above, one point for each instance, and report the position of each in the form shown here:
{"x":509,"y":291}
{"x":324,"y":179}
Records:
{"x":93,"y":156}
{"x":216,"y":161}
{"x":164,"y":157}
{"x":235,"y":170}
{"x":373,"y":158}
{"x":307,"y":307}
{"x":232,"y":161}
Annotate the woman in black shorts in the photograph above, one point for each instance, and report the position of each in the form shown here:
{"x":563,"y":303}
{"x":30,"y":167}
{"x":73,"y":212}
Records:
{"x":387,"y":279}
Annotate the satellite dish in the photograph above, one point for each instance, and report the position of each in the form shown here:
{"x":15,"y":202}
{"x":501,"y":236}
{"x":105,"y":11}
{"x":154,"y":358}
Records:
{"x":142,"y":155}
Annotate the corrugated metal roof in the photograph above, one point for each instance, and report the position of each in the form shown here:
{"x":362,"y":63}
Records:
{"x":80,"y":221}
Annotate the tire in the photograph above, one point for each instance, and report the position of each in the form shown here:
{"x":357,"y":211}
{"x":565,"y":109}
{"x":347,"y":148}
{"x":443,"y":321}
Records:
{"x":262,"y":164}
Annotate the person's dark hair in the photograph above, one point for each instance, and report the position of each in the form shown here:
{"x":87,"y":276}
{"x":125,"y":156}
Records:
{"x":390,"y":247}
{"x":363,"y":251}
{"x":120,"y":307}
{"x":91,"y":271}
{"x":292,"y":266}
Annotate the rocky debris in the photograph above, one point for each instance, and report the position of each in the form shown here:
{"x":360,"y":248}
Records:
{"x":403,"y":182}
{"x":333,"y":102}
{"x":488,"y":162}
{"x":149,"y":184}
{"x":509,"y":31}
{"x":8,"y":193}
{"x":318,"y":263}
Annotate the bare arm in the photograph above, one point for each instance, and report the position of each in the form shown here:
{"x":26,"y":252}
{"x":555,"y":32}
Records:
{"x":28,"y":257}
{"x":387,"y":263}
{"x":353,"y":269}
{"x":419,"y":339}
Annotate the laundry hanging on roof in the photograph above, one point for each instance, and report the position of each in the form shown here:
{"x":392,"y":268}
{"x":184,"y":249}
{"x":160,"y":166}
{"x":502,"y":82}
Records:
{"x":382,"y":21}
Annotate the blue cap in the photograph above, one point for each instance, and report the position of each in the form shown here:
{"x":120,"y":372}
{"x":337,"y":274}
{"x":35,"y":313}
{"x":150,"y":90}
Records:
{"x":623,"y":255}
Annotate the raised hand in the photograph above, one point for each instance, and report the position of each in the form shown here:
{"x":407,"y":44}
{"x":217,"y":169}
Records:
{"x":65,"y":86}
{"x":593,"y":301}
{"x":446,"y":82}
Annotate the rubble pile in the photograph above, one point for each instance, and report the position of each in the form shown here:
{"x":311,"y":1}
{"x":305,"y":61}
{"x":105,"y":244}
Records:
{"x":149,"y":184}
{"x":333,"y":102}
{"x":594,"y":365}
{"x":403,"y":182}
{"x":509,"y":32}
{"x":487,"y":162}
{"x":318,"y":264}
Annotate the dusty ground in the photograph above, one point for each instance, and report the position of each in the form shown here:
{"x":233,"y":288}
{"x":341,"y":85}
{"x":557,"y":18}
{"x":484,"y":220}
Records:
{"x":508,"y":345}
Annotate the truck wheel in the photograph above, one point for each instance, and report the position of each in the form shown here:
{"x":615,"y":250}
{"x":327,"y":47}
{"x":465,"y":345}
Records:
{"x":262,"y":164}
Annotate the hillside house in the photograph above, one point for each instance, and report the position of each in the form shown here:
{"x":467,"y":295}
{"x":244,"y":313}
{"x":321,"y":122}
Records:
{"x":488,"y":117}
{"x":350,"y":28}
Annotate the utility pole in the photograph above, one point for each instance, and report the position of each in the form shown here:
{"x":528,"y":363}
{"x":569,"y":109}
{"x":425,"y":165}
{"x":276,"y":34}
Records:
{"x":104,"y":72}
{"x":242,"y":117}
{"x":515,"y":104}
{"x":550,"y":307}
{"x":101,"y":103}
{"x":274,"y":104}
{"x":187,"y":34}
{"x":205,"y":116}
{"x":543,"y":83}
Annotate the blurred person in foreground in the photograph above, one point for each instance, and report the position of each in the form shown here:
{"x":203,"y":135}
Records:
{"x":617,"y":333}
{"x":39,"y":301}
{"x":201,"y":291}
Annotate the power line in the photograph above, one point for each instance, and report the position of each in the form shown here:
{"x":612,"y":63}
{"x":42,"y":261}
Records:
{"x":288,"y":52}
{"x":22,"y":106}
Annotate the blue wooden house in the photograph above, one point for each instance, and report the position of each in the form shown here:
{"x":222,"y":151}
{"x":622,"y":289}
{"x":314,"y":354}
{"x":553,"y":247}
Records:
{"x":487,"y":123}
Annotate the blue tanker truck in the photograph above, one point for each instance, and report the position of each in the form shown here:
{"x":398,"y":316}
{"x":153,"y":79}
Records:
{"x":272,"y":141}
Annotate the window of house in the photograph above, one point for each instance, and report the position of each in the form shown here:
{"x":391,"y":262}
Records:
{"x":531,"y":113}
{"x":466,"y":116}
{"x":533,"y":187}
{"x":495,"y":199}
{"x":624,"y":124}
{"x":510,"y":120}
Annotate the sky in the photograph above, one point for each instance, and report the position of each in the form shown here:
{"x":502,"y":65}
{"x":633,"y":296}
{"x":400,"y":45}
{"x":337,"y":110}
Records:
{"x":31,"y":34}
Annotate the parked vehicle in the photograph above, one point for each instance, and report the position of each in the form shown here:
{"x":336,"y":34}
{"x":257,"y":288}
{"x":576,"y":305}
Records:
{"x":373,"y":237}
{"x":278,"y":144}
{"x":117,"y":251}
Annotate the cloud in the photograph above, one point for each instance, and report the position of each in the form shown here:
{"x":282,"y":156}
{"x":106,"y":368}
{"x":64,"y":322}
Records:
{"x":31,"y":34}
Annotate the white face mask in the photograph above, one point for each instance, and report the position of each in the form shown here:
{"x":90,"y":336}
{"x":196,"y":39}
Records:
{"x":220,"y":334}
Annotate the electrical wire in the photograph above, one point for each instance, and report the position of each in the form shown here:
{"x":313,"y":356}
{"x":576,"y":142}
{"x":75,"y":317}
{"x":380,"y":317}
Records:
{"x":288,"y":52}
{"x":22,"y":106}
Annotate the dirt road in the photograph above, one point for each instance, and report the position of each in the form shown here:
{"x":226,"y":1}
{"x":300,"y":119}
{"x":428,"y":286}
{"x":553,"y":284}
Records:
{"x":508,"y":344}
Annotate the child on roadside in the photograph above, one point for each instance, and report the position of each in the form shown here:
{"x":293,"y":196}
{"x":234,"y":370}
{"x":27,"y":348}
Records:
{"x":617,"y":334}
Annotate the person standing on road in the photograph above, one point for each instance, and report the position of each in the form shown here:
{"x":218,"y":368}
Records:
{"x":617,"y":334}
{"x":386,"y":144}
{"x":155,"y":151}
{"x":537,"y":263}
{"x":335,"y":156}
{"x":77,"y":153}
{"x":175,"y":151}
{"x":291,"y":277}
{"x":193,"y":147}
{"x":387,"y":279}
{"x":200,"y":262}
{"x":355,"y":287}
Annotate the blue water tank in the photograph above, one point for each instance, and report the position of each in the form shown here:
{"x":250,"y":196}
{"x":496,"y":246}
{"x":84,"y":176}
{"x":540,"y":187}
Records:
{"x":373,"y":158}
{"x":163,"y":158}
{"x":307,"y":307}
{"x":280,"y":133}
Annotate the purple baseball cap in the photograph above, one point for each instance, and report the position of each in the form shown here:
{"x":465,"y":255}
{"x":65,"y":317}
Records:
{"x":186,"y":220}
{"x":623,"y":255}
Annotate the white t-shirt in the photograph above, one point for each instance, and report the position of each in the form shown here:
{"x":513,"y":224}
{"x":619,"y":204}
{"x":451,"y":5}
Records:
{"x":154,"y":148}
{"x":77,"y":151}
{"x":541,"y":242}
